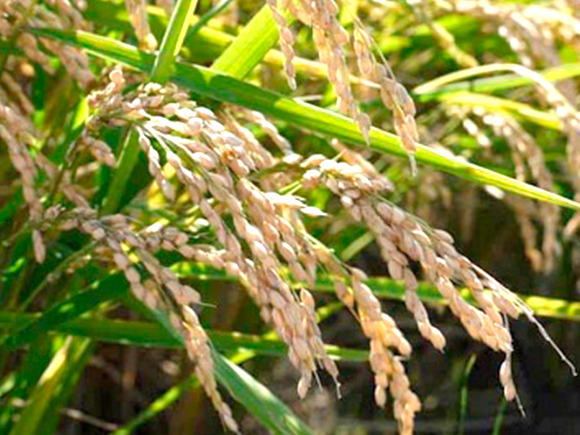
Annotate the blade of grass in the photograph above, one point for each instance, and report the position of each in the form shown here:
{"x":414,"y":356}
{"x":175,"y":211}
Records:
{"x":41,"y":413}
{"x":172,"y":40}
{"x":521,"y":111}
{"x":387,"y":288}
{"x":170,"y":396}
{"x":255,"y":397}
{"x":73,"y":307}
{"x":519,"y":70}
{"x":435,"y":88}
{"x":127,"y":162}
{"x":216,"y":9}
{"x":160,"y":72}
{"x":357,"y":246}
{"x":258,"y":399}
{"x":464,"y":394}
{"x":498,"y":422}
{"x":250,"y":46}
{"x":227,"y":89}
{"x":147,"y":334}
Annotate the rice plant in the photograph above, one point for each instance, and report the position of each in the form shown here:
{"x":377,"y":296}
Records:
{"x":312,"y":188}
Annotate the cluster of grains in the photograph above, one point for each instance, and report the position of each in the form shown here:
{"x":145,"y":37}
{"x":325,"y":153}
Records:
{"x":531,"y":30}
{"x":263,"y":242}
{"x":13,"y":95}
{"x":442,"y":36}
{"x":267,"y":127}
{"x":212,"y":155}
{"x":211,"y":160}
{"x":384,"y":336}
{"x":99,"y":149}
{"x":139,"y":18}
{"x":18,"y":134}
{"x":529,"y":164}
{"x":56,"y":14}
{"x":526,"y":153}
{"x":393,"y":95}
{"x":286,"y":42}
{"x":405,"y":241}
{"x":331,"y":40}
{"x":152,"y":283}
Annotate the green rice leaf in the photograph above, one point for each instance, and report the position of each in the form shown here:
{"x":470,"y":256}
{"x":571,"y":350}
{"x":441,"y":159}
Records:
{"x":227,"y":89}
{"x":147,"y":334}
{"x":435,"y":88}
{"x":384,"y":287}
{"x":172,"y":40}
{"x":250,"y":46}
{"x":258,"y":399}
{"x":41,"y":413}
{"x":520,"y":111}
{"x":108,"y":289}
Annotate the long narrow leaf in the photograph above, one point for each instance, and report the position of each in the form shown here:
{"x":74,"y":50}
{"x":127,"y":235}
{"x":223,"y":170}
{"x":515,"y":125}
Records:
{"x":227,"y":89}
{"x":41,"y":413}
{"x":172,"y":395}
{"x":172,"y":40}
{"x":433,"y":89}
{"x":147,"y":334}
{"x":71,"y":308}
{"x":250,"y":47}
{"x":212,"y":42}
{"x":258,"y":399}
{"x":521,"y":111}
{"x":250,"y":393}
{"x":387,"y":288}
